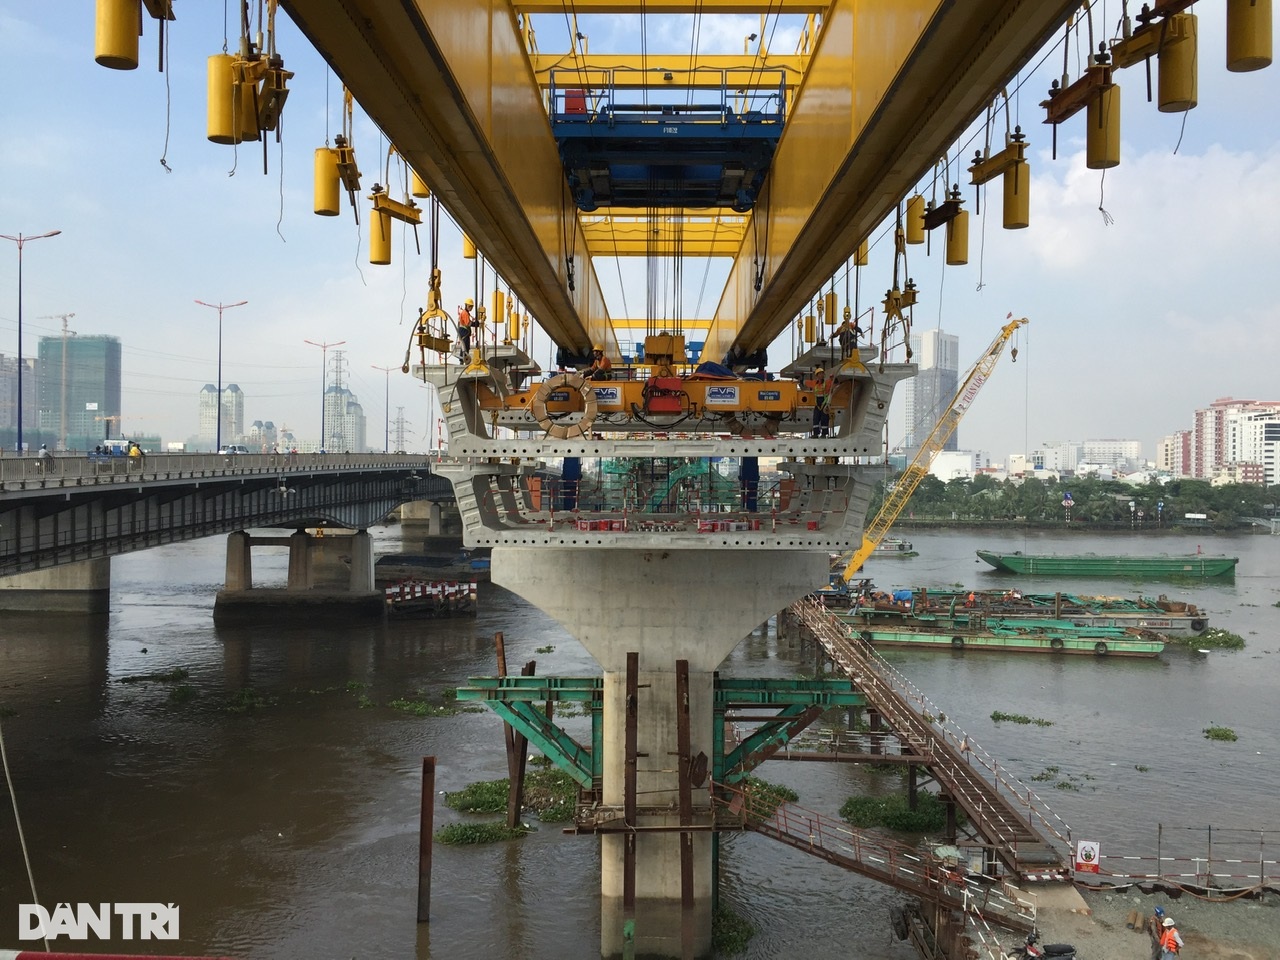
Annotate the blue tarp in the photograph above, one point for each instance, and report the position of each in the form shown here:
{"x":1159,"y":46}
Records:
{"x":901,"y":595}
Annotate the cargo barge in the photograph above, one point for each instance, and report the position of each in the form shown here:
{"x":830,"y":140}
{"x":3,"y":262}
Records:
{"x":1198,"y":565}
{"x":1170,"y":618}
{"x":883,"y":628}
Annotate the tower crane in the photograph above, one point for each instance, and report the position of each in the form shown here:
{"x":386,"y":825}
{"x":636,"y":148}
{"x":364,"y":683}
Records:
{"x":941,"y":433}
{"x":62,"y":404}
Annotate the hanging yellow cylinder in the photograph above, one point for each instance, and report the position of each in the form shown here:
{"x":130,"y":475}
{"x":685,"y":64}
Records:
{"x":832,"y":307}
{"x":860,"y":258}
{"x":915,"y":219}
{"x":513,"y":324}
{"x":222,"y":127}
{"x":115,"y":37}
{"x":246,"y":120}
{"x":810,"y":329}
{"x":328,"y":194}
{"x":1102,"y":143}
{"x":499,"y":308}
{"x":1176,"y":89}
{"x":1248,"y":35}
{"x":958,"y":239}
{"x":418,"y":186}
{"x":379,"y":237}
{"x":468,"y":248}
{"x":1017,"y":196}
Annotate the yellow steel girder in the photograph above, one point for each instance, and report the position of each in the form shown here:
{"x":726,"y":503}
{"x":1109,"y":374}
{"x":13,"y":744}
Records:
{"x":890,"y":87}
{"x":449,"y":83}
{"x":634,"y":236}
{"x":680,"y":71}
{"x":583,"y":7}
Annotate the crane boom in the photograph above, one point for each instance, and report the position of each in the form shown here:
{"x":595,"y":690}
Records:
{"x":941,"y":433}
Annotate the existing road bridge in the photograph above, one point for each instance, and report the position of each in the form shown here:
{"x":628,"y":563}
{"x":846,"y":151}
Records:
{"x":63,"y":517}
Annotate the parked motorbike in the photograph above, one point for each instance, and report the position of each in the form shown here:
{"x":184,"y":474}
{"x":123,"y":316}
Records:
{"x":1030,"y":950}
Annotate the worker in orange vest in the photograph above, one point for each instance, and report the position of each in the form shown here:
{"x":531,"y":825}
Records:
{"x":601,"y":366}
{"x":1170,"y":940}
{"x":464,"y":324}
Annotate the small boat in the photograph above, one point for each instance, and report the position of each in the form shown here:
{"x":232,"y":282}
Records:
{"x":394,"y":567}
{"x":431,"y":598}
{"x":894,"y":547}
{"x":1198,"y":565}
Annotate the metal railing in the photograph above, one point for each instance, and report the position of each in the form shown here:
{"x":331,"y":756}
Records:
{"x":889,"y":861}
{"x":929,"y":728}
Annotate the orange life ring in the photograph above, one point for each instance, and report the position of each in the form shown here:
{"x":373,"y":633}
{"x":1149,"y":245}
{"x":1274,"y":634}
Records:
{"x":538,"y":407}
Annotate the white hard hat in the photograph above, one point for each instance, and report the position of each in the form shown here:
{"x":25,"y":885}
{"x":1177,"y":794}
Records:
{"x":1168,"y":921}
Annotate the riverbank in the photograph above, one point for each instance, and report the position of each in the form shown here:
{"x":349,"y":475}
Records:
{"x":1242,"y":929}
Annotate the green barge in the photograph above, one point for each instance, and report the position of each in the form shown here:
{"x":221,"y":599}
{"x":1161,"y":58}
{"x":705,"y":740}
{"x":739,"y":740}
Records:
{"x":889,"y":628}
{"x":1196,"y":565}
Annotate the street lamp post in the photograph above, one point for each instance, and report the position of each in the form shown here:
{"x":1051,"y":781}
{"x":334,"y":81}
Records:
{"x":20,"y":240}
{"x":324,"y":376}
{"x":220,"y":306}
{"x":386,"y":406}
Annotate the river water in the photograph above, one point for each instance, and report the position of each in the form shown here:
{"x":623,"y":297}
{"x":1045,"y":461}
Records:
{"x":290,"y":830}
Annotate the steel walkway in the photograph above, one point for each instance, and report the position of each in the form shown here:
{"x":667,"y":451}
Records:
{"x":896,"y":864}
{"x":1002,"y":810}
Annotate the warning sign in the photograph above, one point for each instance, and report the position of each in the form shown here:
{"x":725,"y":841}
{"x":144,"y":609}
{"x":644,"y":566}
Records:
{"x":1087,"y":856}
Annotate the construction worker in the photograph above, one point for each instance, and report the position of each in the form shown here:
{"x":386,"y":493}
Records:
{"x":464,"y":324}
{"x":847,"y":334}
{"x":601,"y":366}
{"x":1170,"y":940}
{"x":44,"y":459}
{"x":821,"y":390}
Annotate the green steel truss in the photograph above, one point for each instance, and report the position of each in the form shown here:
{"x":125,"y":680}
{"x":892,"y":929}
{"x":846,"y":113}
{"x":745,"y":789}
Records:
{"x":800,"y":702}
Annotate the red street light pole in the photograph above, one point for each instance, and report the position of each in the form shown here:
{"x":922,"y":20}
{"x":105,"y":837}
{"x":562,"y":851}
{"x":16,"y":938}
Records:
{"x":20,"y":240}
{"x":220,"y":306}
{"x":324,"y":376}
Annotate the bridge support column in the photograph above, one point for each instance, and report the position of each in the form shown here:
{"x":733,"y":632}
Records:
{"x":299,"y":562}
{"x":239,"y":575}
{"x":361,"y":552}
{"x":76,"y":588}
{"x":665,"y":605}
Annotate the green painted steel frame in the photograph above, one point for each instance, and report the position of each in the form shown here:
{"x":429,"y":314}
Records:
{"x":513,"y":698}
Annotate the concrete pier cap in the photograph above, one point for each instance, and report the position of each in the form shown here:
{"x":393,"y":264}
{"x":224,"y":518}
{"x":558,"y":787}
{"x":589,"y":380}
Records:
{"x":666,"y":605}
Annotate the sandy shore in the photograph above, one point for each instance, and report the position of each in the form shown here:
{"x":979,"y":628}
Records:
{"x":1243,"y":929}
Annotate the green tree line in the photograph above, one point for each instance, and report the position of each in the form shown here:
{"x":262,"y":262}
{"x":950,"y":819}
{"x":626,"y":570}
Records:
{"x":1096,"y":503}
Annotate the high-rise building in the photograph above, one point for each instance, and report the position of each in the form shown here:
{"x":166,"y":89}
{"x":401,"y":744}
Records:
{"x":232,"y":414}
{"x":1209,"y":443}
{"x":9,"y":398}
{"x":344,"y":421}
{"x":934,"y":386}
{"x":1173,"y":454}
{"x":79,"y":393}
{"x":1123,"y":455}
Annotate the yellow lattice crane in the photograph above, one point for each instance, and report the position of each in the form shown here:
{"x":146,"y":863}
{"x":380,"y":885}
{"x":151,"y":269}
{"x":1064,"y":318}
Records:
{"x":897,"y":499}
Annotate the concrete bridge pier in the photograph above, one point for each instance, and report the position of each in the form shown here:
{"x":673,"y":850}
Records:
{"x":83,"y":587}
{"x":667,"y":605}
{"x":329,"y":575}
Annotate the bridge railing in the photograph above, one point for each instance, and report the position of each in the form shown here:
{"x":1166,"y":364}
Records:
{"x":938,"y":724}
{"x":101,"y":467}
{"x":871,"y":853}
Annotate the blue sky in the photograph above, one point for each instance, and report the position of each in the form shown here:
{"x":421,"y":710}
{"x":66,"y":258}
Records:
{"x":1133,"y":325}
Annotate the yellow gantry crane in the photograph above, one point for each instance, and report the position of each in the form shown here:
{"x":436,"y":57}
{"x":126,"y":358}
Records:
{"x":897,"y":499}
